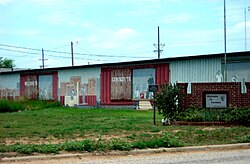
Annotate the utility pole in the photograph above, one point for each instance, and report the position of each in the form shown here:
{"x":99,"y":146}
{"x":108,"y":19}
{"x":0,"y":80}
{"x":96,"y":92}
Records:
{"x":159,"y":45}
{"x":42,"y":66}
{"x":72,"y":54}
{"x":245,"y":12}
{"x":225,"y":43}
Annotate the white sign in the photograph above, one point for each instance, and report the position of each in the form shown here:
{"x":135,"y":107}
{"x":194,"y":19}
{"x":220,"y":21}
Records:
{"x":30,"y":83}
{"x":215,"y":100}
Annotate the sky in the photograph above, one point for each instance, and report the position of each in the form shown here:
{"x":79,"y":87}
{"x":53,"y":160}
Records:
{"x":110,"y":31}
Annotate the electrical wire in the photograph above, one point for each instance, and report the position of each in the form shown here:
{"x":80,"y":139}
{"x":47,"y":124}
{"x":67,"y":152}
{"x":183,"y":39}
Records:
{"x":63,"y":52}
{"x":34,"y":53}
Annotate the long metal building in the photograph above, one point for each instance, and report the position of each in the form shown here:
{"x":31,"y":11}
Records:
{"x":121,"y":83}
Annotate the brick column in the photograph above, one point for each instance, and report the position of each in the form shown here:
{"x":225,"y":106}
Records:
{"x":183,"y":103}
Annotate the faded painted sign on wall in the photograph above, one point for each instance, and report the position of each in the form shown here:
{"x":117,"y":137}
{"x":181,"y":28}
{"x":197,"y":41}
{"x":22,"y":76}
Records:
{"x":141,"y":79}
{"x":31,"y":89}
{"x":121,"y":84}
{"x":45,"y":87}
{"x":76,"y":87}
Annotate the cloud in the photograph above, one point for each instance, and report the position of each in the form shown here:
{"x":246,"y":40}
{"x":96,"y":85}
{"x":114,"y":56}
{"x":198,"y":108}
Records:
{"x":176,"y":18}
{"x":124,"y":33}
{"x":52,"y":3}
{"x":57,"y":18}
{"x":238,"y":30}
{"x":28,"y":32}
{"x":240,"y":26}
{"x":108,"y":39}
{"x":4,"y":2}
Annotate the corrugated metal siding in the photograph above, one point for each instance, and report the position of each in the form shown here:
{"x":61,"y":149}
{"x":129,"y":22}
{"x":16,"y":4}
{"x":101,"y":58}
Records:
{"x":162,"y":73}
{"x":197,"y":70}
{"x":105,"y":85}
{"x":55,"y":86}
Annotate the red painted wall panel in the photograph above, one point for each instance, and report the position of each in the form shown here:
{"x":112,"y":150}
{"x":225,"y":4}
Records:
{"x":62,"y":100}
{"x":162,"y":73}
{"x":162,"y":76}
{"x":105,"y":85}
{"x":90,"y":100}
{"x":24,"y":77}
{"x":55,"y":85}
{"x":29,"y":91}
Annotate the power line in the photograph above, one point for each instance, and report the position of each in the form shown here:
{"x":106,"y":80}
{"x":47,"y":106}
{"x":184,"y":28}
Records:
{"x":63,"y":52}
{"x":67,"y":57}
{"x":204,"y":41}
{"x":34,"y":53}
{"x":6,"y":45}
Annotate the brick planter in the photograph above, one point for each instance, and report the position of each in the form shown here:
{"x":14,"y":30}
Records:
{"x":202,"y":123}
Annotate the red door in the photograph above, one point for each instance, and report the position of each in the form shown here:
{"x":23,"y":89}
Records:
{"x":28,"y":86}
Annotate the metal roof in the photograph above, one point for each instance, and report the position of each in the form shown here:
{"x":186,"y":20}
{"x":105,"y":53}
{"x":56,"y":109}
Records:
{"x":244,"y":55}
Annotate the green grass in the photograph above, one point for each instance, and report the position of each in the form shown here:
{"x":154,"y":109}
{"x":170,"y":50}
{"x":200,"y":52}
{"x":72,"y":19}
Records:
{"x":69,"y":129}
{"x":25,"y":104}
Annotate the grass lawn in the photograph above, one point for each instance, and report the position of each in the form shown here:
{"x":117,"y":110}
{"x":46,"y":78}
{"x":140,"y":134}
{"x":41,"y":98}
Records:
{"x":120,"y":129}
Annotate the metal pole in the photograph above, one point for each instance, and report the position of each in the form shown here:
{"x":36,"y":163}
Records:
{"x":159,"y":51}
{"x":225,"y":43}
{"x":245,"y":12}
{"x":154,"y":107}
{"x":72,"y":54}
{"x":42,"y":58}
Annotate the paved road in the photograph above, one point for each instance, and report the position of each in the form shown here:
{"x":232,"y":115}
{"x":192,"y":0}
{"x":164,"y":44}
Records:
{"x":221,"y":157}
{"x":239,"y":156}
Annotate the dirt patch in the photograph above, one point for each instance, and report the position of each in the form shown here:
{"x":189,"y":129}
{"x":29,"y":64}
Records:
{"x":209,"y":128}
{"x":53,"y":140}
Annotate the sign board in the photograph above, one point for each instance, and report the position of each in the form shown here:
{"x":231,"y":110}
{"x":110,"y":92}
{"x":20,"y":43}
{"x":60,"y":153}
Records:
{"x":121,"y":84}
{"x":153,"y":88}
{"x":216,"y":100}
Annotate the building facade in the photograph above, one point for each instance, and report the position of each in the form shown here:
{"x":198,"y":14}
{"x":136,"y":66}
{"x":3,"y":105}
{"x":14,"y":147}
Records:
{"x":122,"y":83}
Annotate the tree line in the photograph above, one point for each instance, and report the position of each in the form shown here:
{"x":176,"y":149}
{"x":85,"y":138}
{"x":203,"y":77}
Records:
{"x":6,"y":63}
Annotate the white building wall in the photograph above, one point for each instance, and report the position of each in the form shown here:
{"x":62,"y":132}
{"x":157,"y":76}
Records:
{"x":194,"y":70}
{"x":11,"y":81}
{"x":9,"y":85}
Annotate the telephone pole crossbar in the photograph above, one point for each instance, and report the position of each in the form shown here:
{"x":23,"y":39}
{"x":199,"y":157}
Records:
{"x":159,"y":45}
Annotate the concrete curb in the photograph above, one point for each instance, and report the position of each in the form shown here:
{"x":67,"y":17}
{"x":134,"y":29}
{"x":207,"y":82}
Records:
{"x":132,"y":152}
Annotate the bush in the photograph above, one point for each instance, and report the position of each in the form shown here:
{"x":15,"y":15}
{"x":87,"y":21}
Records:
{"x":237,"y":115}
{"x":240,"y":115}
{"x":167,"y":100}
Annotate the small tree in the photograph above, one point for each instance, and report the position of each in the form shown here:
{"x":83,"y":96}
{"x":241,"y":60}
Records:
{"x":166,"y":101}
{"x":6,"y":63}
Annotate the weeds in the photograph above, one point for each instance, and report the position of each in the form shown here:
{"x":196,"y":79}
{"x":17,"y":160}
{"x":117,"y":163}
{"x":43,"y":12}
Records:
{"x":103,"y":130}
{"x":88,"y":145}
{"x":23,"y":104}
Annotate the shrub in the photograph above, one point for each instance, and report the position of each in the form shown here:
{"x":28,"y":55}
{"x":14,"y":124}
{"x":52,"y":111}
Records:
{"x":167,"y":100}
{"x":237,"y":115}
{"x":10,"y":106}
{"x":240,"y":115}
